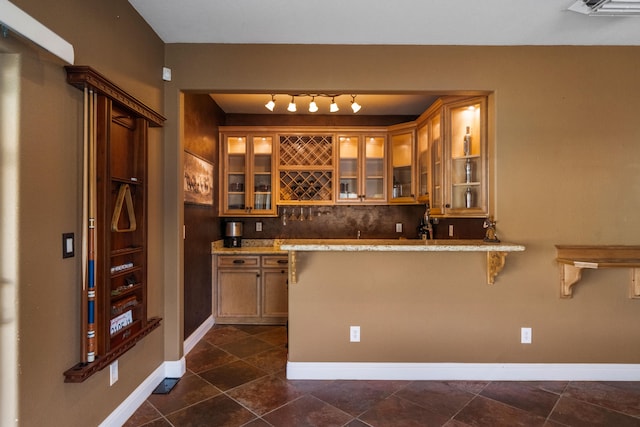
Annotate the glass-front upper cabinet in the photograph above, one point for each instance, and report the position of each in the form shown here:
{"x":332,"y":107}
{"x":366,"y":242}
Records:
{"x":429,"y":158}
{"x":361,"y":168}
{"x":467,"y":186}
{"x":401,"y":153}
{"x":247,"y":175}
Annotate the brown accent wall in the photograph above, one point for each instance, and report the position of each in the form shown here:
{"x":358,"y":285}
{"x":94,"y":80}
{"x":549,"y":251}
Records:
{"x":563,"y":156}
{"x":111,"y":37}
{"x":201,"y":119}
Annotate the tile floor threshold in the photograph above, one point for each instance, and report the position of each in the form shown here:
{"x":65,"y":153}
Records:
{"x":236,"y":377}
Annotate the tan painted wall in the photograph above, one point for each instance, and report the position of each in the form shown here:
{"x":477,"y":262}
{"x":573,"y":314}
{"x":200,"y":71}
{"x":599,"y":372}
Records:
{"x":564,"y":140}
{"x":113,"y":39}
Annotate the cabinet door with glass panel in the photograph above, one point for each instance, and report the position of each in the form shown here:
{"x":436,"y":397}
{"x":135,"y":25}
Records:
{"x":466,"y":180}
{"x":247,"y":175}
{"x":361,"y":168}
{"x":429,"y":158}
{"x":401,"y":156}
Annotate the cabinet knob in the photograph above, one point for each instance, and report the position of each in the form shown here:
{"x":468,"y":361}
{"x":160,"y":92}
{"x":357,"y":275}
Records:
{"x":447,"y":205}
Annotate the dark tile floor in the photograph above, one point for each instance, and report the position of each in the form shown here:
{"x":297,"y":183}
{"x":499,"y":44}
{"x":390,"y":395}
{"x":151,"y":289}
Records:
{"x":236,"y":377}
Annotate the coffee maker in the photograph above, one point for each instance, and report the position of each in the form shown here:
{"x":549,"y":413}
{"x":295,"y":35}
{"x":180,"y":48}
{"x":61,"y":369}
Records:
{"x":233,"y":234}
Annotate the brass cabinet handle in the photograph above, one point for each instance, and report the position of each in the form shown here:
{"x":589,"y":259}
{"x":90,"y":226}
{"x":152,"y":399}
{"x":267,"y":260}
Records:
{"x":283,"y":261}
{"x":238,"y":261}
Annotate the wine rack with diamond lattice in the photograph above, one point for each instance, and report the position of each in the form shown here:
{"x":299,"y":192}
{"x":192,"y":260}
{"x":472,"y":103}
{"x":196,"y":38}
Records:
{"x":306,"y":169}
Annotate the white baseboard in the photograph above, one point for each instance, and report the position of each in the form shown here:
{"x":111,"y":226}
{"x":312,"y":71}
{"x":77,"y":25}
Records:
{"x":169,"y":369}
{"x":463,"y":371}
{"x":197,"y":335}
{"x":172,"y":369}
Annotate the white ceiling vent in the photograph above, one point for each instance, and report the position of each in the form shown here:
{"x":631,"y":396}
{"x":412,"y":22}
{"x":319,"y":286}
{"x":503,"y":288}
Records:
{"x":606,"y":7}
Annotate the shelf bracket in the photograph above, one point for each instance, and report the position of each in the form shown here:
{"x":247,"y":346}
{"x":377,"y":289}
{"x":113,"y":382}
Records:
{"x":293,"y":277}
{"x":569,"y":276}
{"x":495,"y":264}
{"x":634,"y":288}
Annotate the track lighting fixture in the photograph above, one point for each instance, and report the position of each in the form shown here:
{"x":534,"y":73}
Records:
{"x":354,"y":105}
{"x":313,"y":106}
{"x":333,"y":108}
{"x":292,"y":105}
{"x":271,"y":104}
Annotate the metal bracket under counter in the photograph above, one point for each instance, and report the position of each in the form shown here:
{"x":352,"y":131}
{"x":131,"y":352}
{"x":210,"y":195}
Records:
{"x":574,"y":258}
{"x":496,"y":252}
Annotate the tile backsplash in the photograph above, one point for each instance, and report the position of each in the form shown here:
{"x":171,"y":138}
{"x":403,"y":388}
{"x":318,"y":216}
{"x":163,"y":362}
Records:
{"x":339,"y":222}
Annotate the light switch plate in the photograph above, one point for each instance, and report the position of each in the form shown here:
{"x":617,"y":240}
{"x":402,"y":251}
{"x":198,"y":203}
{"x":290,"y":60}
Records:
{"x":166,"y":74}
{"x":399,"y":227}
{"x":68,"y":245}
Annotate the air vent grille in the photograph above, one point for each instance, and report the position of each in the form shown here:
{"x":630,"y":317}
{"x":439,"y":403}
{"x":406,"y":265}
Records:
{"x":607,"y":7}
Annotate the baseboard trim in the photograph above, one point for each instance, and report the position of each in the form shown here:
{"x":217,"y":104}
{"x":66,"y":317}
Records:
{"x":463,"y":371}
{"x":197,"y":335}
{"x":172,"y":369}
{"x":169,"y":369}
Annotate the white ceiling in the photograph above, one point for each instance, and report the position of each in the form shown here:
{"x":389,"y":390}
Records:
{"x":376,"y":22}
{"x":412,"y":22}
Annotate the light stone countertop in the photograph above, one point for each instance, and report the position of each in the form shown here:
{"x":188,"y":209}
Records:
{"x":400,"y":245}
{"x":249,"y":247}
{"x":282,"y":246}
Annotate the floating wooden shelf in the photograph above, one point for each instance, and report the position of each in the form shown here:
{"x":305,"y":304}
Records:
{"x":574,"y":258}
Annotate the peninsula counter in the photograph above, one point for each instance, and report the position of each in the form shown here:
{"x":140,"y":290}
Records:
{"x":496,"y":251}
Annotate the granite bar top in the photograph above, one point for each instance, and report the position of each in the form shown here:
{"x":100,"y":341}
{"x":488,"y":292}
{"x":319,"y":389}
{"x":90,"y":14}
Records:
{"x":400,"y":245}
{"x":249,"y":247}
{"x":282,"y":246}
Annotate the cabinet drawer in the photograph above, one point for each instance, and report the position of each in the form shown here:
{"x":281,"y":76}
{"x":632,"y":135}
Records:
{"x":238,"y":260}
{"x":275,"y":261}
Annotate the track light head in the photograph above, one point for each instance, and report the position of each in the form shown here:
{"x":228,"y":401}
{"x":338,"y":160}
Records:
{"x":292,"y":105}
{"x":313,"y":107}
{"x":271,"y":104}
{"x":333,"y":108}
{"x":354,"y":105}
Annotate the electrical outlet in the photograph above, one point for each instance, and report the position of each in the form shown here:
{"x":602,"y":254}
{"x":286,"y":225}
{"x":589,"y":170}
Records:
{"x":259,"y":226}
{"x":354,"y":334}
{"x":399,"y":227}
{"x":450,"y":230}
{"x":113,"y":373}
{"x":525,"y":335}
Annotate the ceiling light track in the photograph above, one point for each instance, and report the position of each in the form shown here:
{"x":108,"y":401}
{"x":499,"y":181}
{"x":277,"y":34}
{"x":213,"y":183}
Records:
{"x":313,"y":107}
